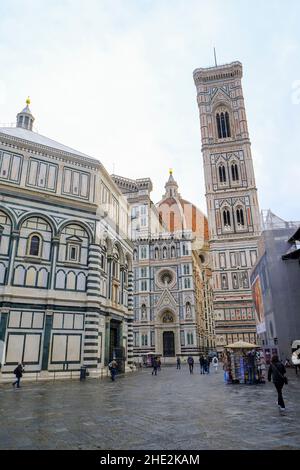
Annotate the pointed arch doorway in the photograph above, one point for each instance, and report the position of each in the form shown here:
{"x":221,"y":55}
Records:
{"x":168,"y":343}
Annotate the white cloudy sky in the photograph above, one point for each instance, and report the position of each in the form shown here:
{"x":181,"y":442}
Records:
{"x":113,"y":78}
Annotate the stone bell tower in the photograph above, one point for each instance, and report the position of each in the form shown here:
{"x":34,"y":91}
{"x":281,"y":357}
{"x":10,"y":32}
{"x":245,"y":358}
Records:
{"x":231,"y":195}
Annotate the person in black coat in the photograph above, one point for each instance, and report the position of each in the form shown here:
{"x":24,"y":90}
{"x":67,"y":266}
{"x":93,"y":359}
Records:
{"x":155,"y":366}
{"x":190,"y":361}
{"x":202,"y":364}
{"x":277,"y":371}
{"x":18,"y":373}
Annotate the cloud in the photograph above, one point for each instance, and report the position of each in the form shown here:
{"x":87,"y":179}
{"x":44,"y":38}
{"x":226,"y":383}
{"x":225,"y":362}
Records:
{"x":114,"y":80}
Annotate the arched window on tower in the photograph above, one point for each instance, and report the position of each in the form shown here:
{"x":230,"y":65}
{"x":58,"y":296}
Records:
{"x":227,"y":124}
{"x":156,"y":253}
{"x":219,"y":126}
{"x":234,"y":172}
{"x":222,"y":173}
{"x":226,"y":218}
{"x":240,"y":217}
{"x":223,"y":125}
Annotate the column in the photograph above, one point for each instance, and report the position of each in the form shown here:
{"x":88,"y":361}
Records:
{"x":91,"y":353}
{"x":94,"y":275}
{"x":15,"y":238}
{"x":3,"y":326}
{"x":122,"y":272}
{"x":55,"y":244}
{"x":46,"y":343}
{"x":107,"y":340}
{"x":109,"y":277}
{"x":130,"y":319}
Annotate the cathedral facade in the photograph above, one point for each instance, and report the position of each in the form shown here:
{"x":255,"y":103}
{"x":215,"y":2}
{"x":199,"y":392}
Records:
{"x":172,"y":279}
{"x":231,"y":194}
{"x":65,"y":259}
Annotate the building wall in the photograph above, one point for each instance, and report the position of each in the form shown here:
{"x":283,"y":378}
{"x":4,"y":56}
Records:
{"x":178,"y":304}
{"x":184,"y":307}
{"x":278,"y":317}
{"x":58,"y":292}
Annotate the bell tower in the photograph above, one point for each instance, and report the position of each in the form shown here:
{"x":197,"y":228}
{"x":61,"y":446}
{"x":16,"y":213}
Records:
{"x":231,"y":196}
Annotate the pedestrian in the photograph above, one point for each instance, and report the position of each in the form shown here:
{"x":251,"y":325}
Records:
{"x":277,"y":370}
{"x":215,"y":363}
{"x":208,"y":364}
{"x":113,"y":367}
{"x":155,"y":366}
{"x":287,"y":363}
{"x":202,"y":364}
{"x":178,"y":363}
{"x":251,"y":366}
{"x":18,"y":373}
{"x":191,"y":364}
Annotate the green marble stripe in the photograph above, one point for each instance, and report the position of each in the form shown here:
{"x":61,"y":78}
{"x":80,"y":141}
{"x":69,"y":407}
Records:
{"x":48,"y":327}
{"x":3,"y":325}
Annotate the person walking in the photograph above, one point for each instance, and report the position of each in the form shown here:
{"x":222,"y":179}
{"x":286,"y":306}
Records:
{"x":208,"y":363}
{"x":178,"y":363}
{"x":18,"y":373}
{"x":205,"y":364}
{"x":215,"y":363}
{"x":191,"y":364}
{"x":155,"y":366}
{"x":277,"y":371}
{"x":113,"y":367}
{"x":251,"y":366}
{"x":202,"y":364}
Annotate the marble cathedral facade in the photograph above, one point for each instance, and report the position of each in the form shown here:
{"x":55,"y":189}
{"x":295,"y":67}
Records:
{"x":65,"y":259}
{"x":173,"y":314}
{"x":231,"y":194}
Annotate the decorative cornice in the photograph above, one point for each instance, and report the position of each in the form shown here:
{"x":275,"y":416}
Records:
{"x":221,"y":72}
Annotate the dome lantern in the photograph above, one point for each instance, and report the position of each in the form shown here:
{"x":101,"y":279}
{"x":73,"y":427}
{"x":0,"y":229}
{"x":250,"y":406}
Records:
{"x":171,"y":186}
{"x":25,"y":118}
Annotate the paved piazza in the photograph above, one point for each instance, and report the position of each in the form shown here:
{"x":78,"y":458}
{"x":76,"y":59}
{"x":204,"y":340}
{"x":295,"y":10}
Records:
{"x":174,"y":410}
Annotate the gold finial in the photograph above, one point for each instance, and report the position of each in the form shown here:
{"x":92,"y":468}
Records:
{"x":170,"y":171}
{"x":28,"y":101}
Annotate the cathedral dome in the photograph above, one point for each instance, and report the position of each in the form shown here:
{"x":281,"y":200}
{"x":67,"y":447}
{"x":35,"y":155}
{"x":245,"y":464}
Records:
{"x":178,"y":214}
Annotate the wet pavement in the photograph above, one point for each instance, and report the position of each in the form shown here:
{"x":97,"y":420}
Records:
{"x":174,"y":410}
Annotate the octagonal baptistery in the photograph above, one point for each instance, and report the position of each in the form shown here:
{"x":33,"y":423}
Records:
{"x":178,"y":214}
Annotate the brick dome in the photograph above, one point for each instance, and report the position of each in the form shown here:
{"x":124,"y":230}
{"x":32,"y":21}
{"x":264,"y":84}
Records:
{"x":178,"y":214}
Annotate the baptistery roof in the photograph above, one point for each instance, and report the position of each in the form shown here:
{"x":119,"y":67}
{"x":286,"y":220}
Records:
{"x":23,"y":132}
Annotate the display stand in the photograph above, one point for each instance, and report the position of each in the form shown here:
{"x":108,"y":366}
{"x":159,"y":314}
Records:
{"x":243,"y":363}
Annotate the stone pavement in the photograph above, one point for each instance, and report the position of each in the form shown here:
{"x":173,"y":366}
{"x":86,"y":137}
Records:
{"x":174,"y":410}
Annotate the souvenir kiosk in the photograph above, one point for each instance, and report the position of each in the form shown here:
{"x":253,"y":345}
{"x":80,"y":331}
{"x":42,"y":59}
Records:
{"x":148,"y":358}
{"x":243,"y":363}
